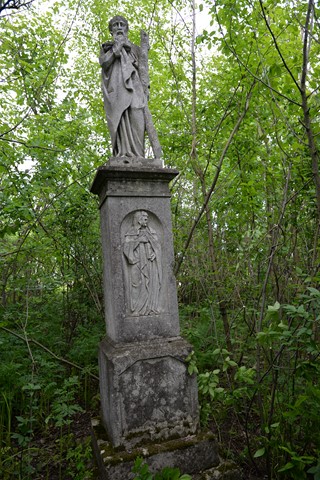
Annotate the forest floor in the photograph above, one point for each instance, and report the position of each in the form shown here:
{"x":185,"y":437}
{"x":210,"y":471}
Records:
{"x":65,"y":454}
{"x":233,"y":446}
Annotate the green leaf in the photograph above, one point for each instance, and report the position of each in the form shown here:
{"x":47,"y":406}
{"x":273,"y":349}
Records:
{"x":288,"y":466}
{"x":217,"y":351}
{"x":219,"y":389}
{"x":274,"y":308}
{"x":314,"y":291}
{"x":259,"y":453}
{"x":275,"y":425}
{"x":212,"y":392}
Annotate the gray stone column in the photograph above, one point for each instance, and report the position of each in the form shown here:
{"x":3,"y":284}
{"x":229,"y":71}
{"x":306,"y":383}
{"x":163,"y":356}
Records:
{"x":146,"y":392}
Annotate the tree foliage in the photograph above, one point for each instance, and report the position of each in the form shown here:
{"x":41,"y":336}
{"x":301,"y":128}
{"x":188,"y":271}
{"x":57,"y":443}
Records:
{"x":236,"y":107}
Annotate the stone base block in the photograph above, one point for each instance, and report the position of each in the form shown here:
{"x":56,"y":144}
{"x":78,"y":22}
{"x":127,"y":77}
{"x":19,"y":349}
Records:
{"x":192,"y":454}
{"x":146,"y":392}
{"x":136,"y":162}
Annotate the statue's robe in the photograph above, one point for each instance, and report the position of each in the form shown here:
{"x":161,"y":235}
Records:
{"x":124,"y":99}
{"x":143,"y":275}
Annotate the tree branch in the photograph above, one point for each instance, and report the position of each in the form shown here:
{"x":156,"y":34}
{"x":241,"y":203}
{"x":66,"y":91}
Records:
{"x":10,"y":140}
{"x":277,"y":46}
{"x":232,"y":50}
{"x":306,"y":109}
{"x":14,"y":4}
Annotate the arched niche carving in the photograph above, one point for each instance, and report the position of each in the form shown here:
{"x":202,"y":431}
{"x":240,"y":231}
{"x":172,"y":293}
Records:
{"x":142,"y":248}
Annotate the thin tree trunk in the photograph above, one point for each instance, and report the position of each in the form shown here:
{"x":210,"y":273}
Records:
{"x":218,"y":282}
{"x":314,"y":154}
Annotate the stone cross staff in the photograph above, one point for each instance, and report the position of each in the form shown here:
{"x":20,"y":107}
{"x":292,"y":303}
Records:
{"x":125,"y":87}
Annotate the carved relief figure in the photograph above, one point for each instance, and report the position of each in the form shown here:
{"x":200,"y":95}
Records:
{"x":125,"y":86}
{"x":143,"y":266}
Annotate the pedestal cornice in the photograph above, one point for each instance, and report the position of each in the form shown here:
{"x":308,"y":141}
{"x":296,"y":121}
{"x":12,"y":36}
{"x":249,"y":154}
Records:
{"x":132,"y":181}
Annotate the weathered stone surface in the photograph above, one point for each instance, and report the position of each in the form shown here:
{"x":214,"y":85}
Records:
{"x":142,"y":265}
{"x":124,"y":194}
{"x":144,"y":181}
{"x":135,"y":162}
{"x":147,"y":395}
{"x":146,"y":391}
{"x":190,"y":454}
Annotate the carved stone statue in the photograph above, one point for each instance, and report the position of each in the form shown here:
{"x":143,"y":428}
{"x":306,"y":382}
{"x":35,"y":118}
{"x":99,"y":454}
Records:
{"x":125,"y":86}
{"x":143,"y":266}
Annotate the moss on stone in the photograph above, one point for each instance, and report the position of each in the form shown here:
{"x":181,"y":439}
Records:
{"x":115,"y":455}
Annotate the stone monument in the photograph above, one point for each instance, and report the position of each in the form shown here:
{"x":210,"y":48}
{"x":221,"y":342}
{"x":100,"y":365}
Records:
{"x":125,"y":87}
{"x":147,"y":396}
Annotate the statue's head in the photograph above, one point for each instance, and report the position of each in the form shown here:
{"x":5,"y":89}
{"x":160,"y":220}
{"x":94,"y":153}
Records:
{"x":118,"y":25}
{"x":140,"y":219}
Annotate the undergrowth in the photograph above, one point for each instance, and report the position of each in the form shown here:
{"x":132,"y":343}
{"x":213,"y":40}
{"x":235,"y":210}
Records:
{"x":272,"y":393}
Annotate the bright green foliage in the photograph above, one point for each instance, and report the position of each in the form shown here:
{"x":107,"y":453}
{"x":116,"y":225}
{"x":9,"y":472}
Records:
{"x":78,"y":459}
{"x":64,"y":406}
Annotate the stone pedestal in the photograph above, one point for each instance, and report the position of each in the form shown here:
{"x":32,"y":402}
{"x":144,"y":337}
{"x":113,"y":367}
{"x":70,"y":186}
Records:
{"x":147,"y":394}
{"x":148,"y":399}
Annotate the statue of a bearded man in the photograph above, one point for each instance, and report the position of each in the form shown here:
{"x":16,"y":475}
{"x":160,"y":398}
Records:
{"x":125,"y":86}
